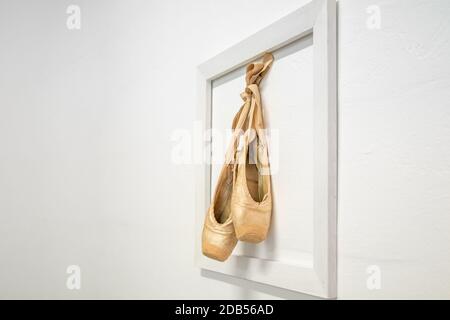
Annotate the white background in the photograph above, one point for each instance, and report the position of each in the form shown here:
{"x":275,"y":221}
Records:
{"x":86,"y":120}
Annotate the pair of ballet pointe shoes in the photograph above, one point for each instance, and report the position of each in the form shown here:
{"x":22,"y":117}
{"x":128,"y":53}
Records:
{"x":241,"y":207}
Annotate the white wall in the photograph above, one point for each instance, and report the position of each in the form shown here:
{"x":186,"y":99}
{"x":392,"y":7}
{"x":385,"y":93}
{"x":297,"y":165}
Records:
{"x":85,"y":124}
{"x":394,"y":149}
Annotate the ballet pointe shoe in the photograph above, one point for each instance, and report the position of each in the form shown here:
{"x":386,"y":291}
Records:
{"x":218,"y":240}
{"x":218,"y":237}
{"x":251,"y":202}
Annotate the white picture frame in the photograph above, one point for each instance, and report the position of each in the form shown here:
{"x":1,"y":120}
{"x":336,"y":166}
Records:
{"x":319,"y":19}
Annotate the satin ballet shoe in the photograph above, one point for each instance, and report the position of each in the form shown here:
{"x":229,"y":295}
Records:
{"x":251,"y":202}
{"x":219,"y":239}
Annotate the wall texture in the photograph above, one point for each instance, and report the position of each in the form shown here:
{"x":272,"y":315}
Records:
{"x":394,"y":149}
{"x":85,"y":123}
